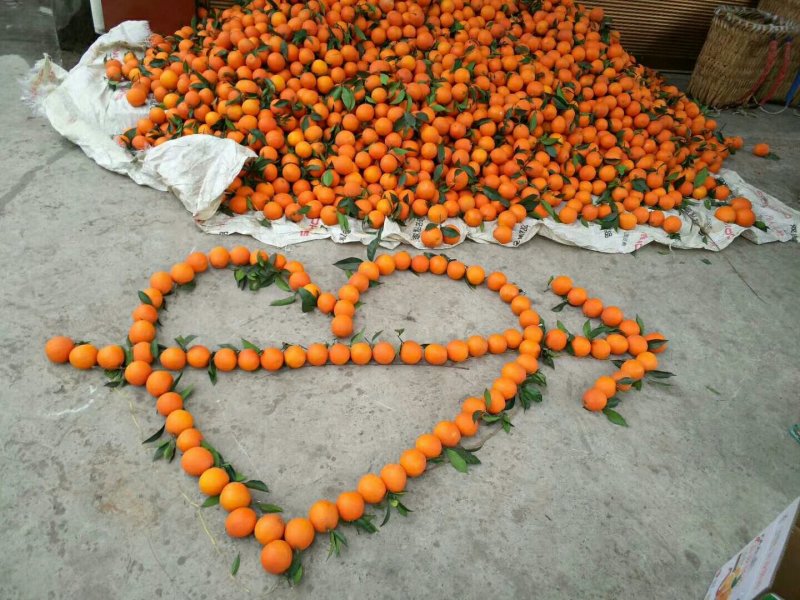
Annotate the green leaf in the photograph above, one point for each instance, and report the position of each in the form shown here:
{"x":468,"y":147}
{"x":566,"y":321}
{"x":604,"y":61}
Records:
{"x":365,"y":524}
{"x":348,"y":264}
{"x":344,"y":223}
{"x":600,"y":330}
{"x":187,"y":392}
{"x":284,"y":301}
{"x":155,"y":436}
{"x":528,"y":394}
{"x":218,"y":460}
{"x":295,"y":572}
{"x":337,"y":541}
{"x":210,"y":501}
{"x":372,"y":248}
{"x":165,"y":450}
{"x":327,"y":178}
{"x":615,"y":417}
{"x":449,"y":232}
{"x":235,"y":565}
{"x":655,"y":344}
{"x":309,"y":302}
{"x":255,"y":484}
{"x":268,"y":508}
{"x":358,"y":337}
{"x":145,"y":298}
{"x":559,"y":307}
{"x":659,"y":374}
{"x":250,"y":345}
{"x":701,"y":177}
{"x":458,"y":462}
{"x":467,"y":455}
{"x":183,"y":342}
{"x":348,"y":98}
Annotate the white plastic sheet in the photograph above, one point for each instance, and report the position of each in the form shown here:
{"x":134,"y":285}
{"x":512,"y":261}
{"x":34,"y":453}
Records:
{"x":198,"y":168}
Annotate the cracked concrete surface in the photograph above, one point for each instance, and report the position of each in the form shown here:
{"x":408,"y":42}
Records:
{"x":566,"y":506}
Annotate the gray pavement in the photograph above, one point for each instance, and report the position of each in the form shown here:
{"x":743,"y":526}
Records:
{"x":566,"y":506}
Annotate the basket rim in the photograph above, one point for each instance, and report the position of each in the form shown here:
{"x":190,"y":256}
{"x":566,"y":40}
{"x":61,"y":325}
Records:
{"x":737,"y":15}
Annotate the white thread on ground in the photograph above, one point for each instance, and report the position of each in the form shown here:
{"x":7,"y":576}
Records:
{"x":70,"y":411}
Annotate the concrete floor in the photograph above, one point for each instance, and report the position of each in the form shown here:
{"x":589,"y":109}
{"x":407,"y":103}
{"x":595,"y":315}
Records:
{"x":566,"y":506}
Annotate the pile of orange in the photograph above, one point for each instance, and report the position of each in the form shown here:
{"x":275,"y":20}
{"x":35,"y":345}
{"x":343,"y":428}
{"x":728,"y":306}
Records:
{"x":487,"y":110}
{"x":518,"y":382}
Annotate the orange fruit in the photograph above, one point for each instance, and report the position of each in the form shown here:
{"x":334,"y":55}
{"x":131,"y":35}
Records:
{"x":83,"y":356}
{"x":299,"y":533}
{"x":324,"y":516}
{"x":294,"y":357}
{"x":410,"y":353}
{"x":648,"y":360}
{"x":413,"y":462}
{"x":197,"y":460}
{"x":350,"y":506}
{"x":173,"y":359}
{"x":429,"y":445}
{"x":561,"y":285}
{"x":198,"y":357}
{"x":188,"y":438}
{"x":342,"y":326}
{"x":372,"y":488}
{"x":448,"y":433}
{"x":556,"y":340}
{"x":606,"y":385}
{"x":761,"y":150}
{"x":653,"y":339}
{"x":394,"y":477}
{"x":617,"y":343}
{"x":632,"y":369}
{"x":276,"y":557}
{"x":383,"y":353}
{"x":467,"y":426}
{"x":234,"y":495}
{"x":269,"y":528}
{"x":110,"y":357}
{"x":158,"y":383}
{"x":169,"y":402}
{"x":594,"y":400}
{"x":435,"y":354}
{"x":241,"y":522}
{"x":611,"y":316}
{"x":58,"y":348}
{"x":142,"y":331}
{"x":213,"y":480}
{"x":178,"y":421}
{"x":137,"y":372}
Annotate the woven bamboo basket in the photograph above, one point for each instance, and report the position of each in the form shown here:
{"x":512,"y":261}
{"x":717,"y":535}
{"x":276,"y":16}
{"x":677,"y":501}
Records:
{"x":735,"y":54}
{"x":788,"y":9}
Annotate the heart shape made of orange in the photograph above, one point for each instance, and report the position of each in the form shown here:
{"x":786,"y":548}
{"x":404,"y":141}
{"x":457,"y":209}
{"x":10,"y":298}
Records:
{"x":519,"y":381}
